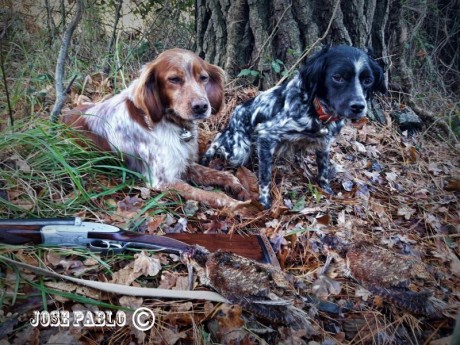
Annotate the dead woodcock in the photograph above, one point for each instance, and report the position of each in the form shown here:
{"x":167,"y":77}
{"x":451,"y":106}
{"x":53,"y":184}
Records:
{"x":263,"y":290}
{"x":393,"y":276}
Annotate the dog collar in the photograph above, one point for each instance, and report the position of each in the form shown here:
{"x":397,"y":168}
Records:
{"x":322,"y":115}
{"x":185,"y":135}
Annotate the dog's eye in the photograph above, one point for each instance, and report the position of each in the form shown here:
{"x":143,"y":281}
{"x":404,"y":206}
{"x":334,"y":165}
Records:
{"x":174,"y":80}
{"x":368,"y":81}
{"x":338,"y":78}
{"x":204,"y":78}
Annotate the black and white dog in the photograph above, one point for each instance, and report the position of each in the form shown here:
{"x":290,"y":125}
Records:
{"x":333,"y":86}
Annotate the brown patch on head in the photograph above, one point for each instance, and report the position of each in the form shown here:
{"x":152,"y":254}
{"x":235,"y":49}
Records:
{"x":137,"y":114}
{"x":180,"y":82}
{"x":145,"y":95}
{"x":215,"y":87}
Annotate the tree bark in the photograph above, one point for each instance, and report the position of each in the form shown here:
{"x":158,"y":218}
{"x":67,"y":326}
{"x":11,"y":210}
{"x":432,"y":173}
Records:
{"x":251,"y":34}
{"x":417,"y":43}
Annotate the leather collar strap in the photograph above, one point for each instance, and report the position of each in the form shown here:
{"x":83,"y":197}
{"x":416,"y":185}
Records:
{"x":123,"y":289}
{"x":322,"y":115}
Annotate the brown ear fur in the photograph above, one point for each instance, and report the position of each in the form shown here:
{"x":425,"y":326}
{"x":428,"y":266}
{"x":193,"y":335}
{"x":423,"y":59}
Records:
{"x":215,"y":87}
{"x":146,"y":95}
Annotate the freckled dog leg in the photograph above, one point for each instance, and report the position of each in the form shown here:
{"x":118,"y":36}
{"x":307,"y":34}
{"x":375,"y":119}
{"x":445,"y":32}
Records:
{"x":322,"y":161}
{"x":212,"y":150}
{"x":212,"y":199}
{"x":265,"y":149}
{"x":203,"y":175}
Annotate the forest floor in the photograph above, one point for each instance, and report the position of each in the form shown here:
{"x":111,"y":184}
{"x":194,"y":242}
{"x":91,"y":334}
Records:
{"x":396,"y":194}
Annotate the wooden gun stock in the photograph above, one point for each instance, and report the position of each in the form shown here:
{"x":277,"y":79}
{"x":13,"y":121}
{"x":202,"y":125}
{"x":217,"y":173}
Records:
{"x":255,"y":247}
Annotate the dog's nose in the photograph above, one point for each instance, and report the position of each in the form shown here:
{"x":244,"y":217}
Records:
{"x":357,"y":107}
{"x":200,"y":107}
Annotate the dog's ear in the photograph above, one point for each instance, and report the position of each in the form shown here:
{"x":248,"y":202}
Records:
{"x":312,"y":73}
{"x":215,"y":86}
{"x":377,"y":71}
{"x":145,"y":94}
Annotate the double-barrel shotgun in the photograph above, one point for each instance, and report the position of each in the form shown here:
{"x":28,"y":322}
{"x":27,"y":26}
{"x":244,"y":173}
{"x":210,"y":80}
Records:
{"x":104,"y":238}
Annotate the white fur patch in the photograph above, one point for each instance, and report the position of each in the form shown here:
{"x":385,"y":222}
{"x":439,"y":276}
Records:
{"x":166,"y":157}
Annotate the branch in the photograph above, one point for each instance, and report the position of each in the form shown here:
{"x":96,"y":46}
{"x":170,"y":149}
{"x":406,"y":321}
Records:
{"x":114,"y":33}
{"x":256,"y":60}
{"x":49,"y":19}
{"x":2,"y":66}
{"x":307,"y":51}
{"x":429,"y":117}
{"x":60,"y":92}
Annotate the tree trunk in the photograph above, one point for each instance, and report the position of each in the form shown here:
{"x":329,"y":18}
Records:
{"x":416,"y":42}
{"x":251,"y":34}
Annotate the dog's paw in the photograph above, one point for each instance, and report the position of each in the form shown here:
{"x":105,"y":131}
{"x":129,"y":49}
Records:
{"x":326,"y":188}
{"x":244,"y":209}
{"x":243,"y":195}
{"x":238,"y":190}
{"x":265,"y":201}
{"x":205,"y":160}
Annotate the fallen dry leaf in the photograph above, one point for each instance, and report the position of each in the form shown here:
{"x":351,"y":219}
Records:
{"x":406,"y":211}
{"x":182,"y":283}
{"x":131,"y":302}
{"x":433,"y":167}
{"x":216,"y":226}
{"x":324,"y":219}
{"x":453,"y":184}
{"x":168,"y":280}
{"x":171,"y":337}
{"x":246,"y":209}
{"x":454,"y":263}
{"x":249,"y":181}
{"x":360,"y":147}
{"x":154,"y":223}
{"x":21,"y":164}
{"x":363,"y":293}
{"x":71,"y":264}
{"x":31,"y":336}
{"x":142,"y":266}
{"x":391,"y":176}
{"x":443,"y":341}
{"x":62,"y":286}
{"x":227,"y":325}
{"x":28,"y":259}
{"x":89,"y":292}
{"x":146,"y":265}
{"x":182,"y":307}
{"x":324,"y":287}
{"x":378,"y":301}
{"x":128,"y":207}
{"x":90,"y":262}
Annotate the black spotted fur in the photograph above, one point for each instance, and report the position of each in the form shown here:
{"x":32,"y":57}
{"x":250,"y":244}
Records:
{"x":341,"y":78}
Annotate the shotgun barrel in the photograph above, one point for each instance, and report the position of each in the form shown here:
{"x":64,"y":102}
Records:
{"x":68,"y":232}
{"x":73,"y":232}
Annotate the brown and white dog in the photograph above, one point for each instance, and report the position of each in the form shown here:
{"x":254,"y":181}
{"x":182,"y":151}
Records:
{"x":153,"y":123}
